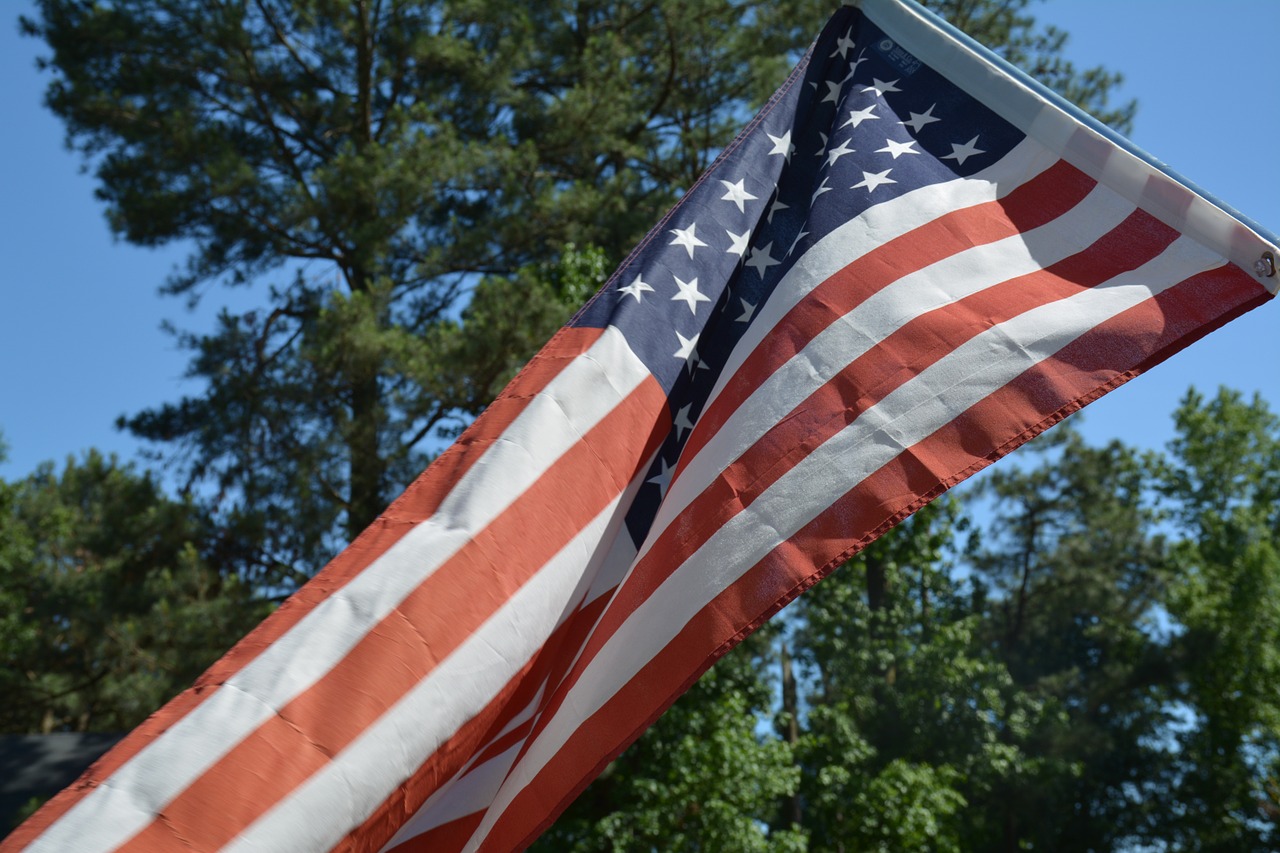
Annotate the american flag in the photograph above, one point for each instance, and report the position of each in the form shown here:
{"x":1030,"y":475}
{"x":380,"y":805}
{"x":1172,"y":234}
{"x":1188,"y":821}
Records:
{"x":909,"y":263}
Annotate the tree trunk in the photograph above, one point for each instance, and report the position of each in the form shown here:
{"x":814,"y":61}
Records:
{"x":793,"y":809}
{"x":368,"y":468}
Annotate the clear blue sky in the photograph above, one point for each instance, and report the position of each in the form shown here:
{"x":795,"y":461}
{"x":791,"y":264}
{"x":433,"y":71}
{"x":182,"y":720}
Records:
{"x":80,"y":339}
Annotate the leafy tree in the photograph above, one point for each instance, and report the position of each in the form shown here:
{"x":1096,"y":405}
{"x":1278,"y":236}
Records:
{"x":1224,"y":481}
{"x":401,"y":181}
{"x":1071,"y":584}
{"x":895,"y":698}
{"x":107,"y":605}
{"x":370,"y":167}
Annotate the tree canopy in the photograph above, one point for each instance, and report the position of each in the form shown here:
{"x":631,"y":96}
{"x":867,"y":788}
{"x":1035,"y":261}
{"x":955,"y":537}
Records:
{"x":1081,"y":656}
{"x":109,"y":604}
{"x":402,"y":182}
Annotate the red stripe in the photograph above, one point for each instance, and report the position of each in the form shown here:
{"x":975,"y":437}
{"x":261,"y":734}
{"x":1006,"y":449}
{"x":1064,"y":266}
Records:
{"x":415,"y":505}
{"x":1037,"y":202}
{"x":1083,"y":371}
{"x":863,"y":383}
{"x":871,"y":377}
{"x":407,"y":645}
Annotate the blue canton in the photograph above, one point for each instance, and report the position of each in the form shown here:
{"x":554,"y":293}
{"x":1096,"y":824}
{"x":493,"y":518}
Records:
{"x":861,"y":121}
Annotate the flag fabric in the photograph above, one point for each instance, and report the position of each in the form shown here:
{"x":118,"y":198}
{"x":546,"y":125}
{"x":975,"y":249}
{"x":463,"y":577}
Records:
{"x":909,"y":263}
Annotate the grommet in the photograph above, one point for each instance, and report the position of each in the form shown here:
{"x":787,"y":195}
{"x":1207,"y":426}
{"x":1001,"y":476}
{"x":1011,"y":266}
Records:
{"x":1265,"y":266}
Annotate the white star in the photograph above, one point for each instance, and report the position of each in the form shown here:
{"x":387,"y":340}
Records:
{"x":880,"y":87}
{"x":782,"y":145}
{"x":688,"y":348}
{"x":682,"y":422}
{"x":663,"y":478}
{"x":853,"y":66}
{"x":897,"y":148}
{"x":737,"y":193}
{"x":822,"y":150}
{"x":687,"y":237}
{"x":635,"y":288}
{"x":919,"y":120}
{"x":960,"y":153}
{"x":739,"y":246}
{"x":833,"y":91}
{"x":774,"y":208}
{"x":689,"y":293}
{"x":857,"y":117}
{"x":843,"y":45}
{"x":796,"y":242}
{"x":748,"y":311}
{"x":822,"y":188}
{"x":836,"y":153}
{"x":871,"y":181}
{"x":760,"y":259}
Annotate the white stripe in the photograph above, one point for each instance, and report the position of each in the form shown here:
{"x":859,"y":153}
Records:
{"x":878,"y":225}
{"x":879,"y":316}
{"x":584,"y":392}
{"x":621,"y":557}
{"x":338,"y":797}
{"x":910,"y":414}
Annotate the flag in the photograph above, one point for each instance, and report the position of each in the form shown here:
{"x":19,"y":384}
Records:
{"x":912,"y":261}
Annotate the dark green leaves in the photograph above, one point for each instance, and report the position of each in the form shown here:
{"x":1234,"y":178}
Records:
{"x":107,"y":603}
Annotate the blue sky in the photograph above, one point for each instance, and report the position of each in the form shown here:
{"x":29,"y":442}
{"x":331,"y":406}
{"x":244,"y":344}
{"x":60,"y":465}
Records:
{"x":80,"y":337}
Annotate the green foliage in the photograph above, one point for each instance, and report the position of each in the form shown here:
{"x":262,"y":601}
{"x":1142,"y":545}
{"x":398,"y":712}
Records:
{"x":911,"y":721}
{"x":402,"y":180}
{"x":1072,"y":584}
{"x":27,"y":810}
{"x":508,"y":318}
{"x":375,"y":168}
{"x":1223,"y":478}
{"x":423,"y":191}
{"x":107,"y":606}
